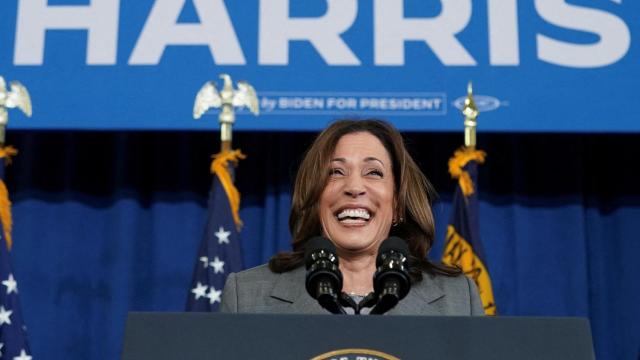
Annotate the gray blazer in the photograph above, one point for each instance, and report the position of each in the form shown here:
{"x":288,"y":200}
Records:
{"x":259,"y":290}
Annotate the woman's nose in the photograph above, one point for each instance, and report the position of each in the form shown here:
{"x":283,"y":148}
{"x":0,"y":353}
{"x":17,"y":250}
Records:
{"x":354,"y":186}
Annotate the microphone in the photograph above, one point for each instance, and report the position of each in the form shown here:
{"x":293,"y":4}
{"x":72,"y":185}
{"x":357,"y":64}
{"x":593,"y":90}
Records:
{"x":324,"y":279}
{"x":391,"y":282}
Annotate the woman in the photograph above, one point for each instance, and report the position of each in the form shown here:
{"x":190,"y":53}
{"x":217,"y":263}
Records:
{"x":357,"y":185}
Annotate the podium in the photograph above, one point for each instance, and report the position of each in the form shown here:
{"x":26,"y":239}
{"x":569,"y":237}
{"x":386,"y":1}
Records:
{"x":346,"y":337}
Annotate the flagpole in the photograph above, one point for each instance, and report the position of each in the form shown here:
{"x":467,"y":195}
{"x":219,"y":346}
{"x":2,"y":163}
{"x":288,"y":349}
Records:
{"x":13,"y":338}
{"x":226,"y":118}
{"x":220,"y":250}
{"x":16,"y":97}
{"x":463,"y":247}
{"x":208,"y":97}
{"x":471,"y":113}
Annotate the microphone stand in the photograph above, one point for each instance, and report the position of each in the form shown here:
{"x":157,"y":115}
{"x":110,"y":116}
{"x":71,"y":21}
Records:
{"x":327,"y":297}
{"x":388,"y":298}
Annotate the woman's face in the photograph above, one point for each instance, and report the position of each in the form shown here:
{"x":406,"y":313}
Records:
{"x":356,"y":205}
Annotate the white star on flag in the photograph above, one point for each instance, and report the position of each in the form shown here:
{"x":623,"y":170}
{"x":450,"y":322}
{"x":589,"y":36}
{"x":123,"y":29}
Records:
{"x":1,"y":346}
{"x":205,"y":261}
{"x":223,"y":236}
{"x":11,"y":284}
{"x":4,"y":316}
{"x":214,"y":295}
{"x":200,"y":291}
{"x":217,"y":265}
{"x":23,"y":356}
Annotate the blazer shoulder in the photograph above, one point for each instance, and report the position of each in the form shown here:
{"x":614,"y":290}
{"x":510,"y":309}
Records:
{"x":244,"y":285}
{"x":254,"y":283}
{"x":450,"y":295}
{"x":260,"y":272}
{"x":261,"y":290}
{"x":465,"y":290}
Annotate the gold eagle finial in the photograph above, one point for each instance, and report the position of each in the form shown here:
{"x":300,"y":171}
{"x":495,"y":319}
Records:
{"x":16,"y":97}
{"x":227,"y":99}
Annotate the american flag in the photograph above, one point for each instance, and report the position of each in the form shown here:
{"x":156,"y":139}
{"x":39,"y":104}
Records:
{"x":13,"y":335}
{"x":220,"y":251}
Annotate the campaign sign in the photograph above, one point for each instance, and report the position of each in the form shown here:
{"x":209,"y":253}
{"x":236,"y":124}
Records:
{"x":540,"y":65}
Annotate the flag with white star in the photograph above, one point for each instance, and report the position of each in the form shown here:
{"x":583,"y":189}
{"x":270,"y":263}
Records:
{"x":220,"y":252}
{"x":13,"y":336}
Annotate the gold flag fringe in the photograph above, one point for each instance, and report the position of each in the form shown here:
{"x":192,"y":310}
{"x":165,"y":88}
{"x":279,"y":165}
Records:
{"x":457,"y":163}
{"x":5,"y":204}
{"x":219,"y":167}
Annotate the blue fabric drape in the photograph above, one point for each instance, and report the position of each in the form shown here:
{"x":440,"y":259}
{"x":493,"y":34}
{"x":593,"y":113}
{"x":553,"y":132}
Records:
{"x":106,"y":223}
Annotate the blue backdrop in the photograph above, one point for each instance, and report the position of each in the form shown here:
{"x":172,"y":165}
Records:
{"x":544,"y":65}
{"x":110,"y":222}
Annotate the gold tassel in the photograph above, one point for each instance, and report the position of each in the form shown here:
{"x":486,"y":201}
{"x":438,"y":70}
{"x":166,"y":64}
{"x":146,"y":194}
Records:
{"x":5,"y":204}
{"x":219,"y":167}
{"x":456,"y":164}
{"x":8,"y":152}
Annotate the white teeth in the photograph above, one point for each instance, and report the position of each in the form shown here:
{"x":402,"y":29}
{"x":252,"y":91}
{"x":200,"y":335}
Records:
{"x":354,"y":213}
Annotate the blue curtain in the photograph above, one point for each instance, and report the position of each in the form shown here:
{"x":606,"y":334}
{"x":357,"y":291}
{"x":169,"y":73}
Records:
{"x":110,"y":222}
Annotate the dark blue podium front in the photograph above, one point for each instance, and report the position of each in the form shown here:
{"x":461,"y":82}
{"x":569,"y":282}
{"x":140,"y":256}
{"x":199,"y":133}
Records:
{"x":243,"y":336}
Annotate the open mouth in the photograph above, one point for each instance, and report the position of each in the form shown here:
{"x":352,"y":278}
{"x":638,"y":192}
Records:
{"x":354,"y":216}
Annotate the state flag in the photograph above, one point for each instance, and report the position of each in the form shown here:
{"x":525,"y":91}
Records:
{"x":463,"y":247}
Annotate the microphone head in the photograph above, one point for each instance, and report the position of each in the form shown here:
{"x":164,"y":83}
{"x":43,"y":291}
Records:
{"x":392,"y":274}
{"x":318,"y":246}
{"x":392,"y":243}
{"x":323,"y":279}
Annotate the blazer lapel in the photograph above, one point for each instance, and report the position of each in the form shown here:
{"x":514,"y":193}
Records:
{"x":290,"y":290}
{"x":422,"y":299}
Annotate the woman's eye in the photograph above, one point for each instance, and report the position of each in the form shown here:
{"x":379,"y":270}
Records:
{"x":375,"y":172}
{"x":336,"y":171}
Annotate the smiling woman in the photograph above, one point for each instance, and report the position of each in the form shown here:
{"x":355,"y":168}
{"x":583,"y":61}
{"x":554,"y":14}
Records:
{"x":357,"y":186}
{"x":356,"y":205}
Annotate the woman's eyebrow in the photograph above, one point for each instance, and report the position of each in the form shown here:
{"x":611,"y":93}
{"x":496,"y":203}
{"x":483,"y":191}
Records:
{"x":367,"y":159}
{"x":372,"y":158}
